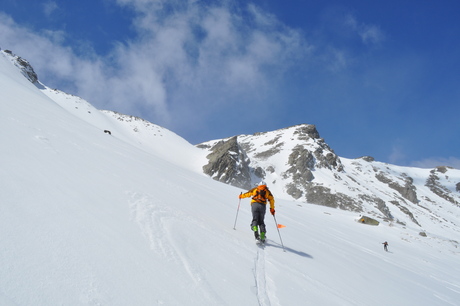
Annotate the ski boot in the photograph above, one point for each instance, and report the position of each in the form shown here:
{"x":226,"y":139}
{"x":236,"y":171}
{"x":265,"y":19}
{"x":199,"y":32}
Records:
{"x":256,"y":231}
{"x":262,"y":236}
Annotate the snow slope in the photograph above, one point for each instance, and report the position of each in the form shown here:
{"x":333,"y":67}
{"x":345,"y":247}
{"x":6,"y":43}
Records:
{"x":88,"y":218}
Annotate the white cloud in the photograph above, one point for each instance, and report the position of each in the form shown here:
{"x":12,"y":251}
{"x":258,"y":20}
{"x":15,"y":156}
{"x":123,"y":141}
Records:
{"x":207,"y":54}
{"x":370,"y":34}
{"x":201,"y":54}
{"x":336,"y":59}
{"x":49,"y":8}
{"x":433,"y":162}
{"x":397,"y":155}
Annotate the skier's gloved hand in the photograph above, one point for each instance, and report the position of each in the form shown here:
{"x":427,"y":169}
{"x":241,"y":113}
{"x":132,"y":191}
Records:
{"x":272,"y":211}
{"x":240,"y":196}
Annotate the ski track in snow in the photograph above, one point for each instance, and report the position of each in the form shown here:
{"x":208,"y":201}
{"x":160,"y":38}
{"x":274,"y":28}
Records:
{"x":150,"y":217}
{"x":155,"y":220}
{"x":260,"y":277}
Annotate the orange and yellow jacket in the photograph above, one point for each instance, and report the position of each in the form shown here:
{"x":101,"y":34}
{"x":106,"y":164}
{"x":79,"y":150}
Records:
{"x":253,"y":193}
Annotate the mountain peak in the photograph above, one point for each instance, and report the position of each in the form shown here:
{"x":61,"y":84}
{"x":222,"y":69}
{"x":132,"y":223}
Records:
{"x":304,"y":129}
{"x":244,"y":160}
{"x":299,"y":165}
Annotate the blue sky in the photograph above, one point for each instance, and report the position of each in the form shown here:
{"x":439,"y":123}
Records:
{"x":378,"y":78}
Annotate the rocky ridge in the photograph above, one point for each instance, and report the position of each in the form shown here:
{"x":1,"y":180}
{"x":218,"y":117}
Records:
{"x":299,"y":165}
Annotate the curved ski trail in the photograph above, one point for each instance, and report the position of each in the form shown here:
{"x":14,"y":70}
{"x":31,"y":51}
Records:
{"x":156,"y":222}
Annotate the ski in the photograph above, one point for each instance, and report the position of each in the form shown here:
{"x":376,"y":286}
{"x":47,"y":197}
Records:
{"x":260,"y":243}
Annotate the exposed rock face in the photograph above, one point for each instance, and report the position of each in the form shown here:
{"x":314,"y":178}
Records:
{"x":229,"y":164}
{"x":24,"y":66}
{"x":306,"y":131}
{"x":405,"y":210}
{"x":379,"y":203}
{"x":437,"y":188}
{"x":324,"y":196}
{"x":300,"y":161}
{"x":243,"y":161}
{"x":367,"y":158}
{"x":408,"y":191}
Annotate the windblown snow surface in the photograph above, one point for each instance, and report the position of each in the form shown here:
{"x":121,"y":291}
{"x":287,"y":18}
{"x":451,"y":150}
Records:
{"x":89,"y":218}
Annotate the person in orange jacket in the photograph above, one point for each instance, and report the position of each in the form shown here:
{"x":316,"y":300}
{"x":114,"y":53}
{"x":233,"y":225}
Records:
{"x":260,"y":195}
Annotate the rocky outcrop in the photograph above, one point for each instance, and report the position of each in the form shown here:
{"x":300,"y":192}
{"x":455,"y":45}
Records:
{"x":367,"y":158}
{"x":237,"y":160}
{"x":24,"y":66}
{"x":228,"y":164}
{"x":300,"y":161}
{"x":324,"y":155}
{"x":327,"y":159}
{"x":321,"y":195}
{"x":306,"y":131}
{"x":437,"y":188}
{"x":406,"y":210}
{"x":379,"y":203}
{"x":407,"y":191}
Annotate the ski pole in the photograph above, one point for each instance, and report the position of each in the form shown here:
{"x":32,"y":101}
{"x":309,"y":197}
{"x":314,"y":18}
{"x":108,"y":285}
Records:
{"x":279,"y":233}
{"x":237,"y":210}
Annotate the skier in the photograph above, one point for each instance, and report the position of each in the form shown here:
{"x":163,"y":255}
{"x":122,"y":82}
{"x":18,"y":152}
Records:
{"x":260,"y":195}
{"x":385,"y":246}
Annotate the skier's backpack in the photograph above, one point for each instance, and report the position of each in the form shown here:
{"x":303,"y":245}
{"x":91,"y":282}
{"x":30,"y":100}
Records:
{"x":261,"y":194}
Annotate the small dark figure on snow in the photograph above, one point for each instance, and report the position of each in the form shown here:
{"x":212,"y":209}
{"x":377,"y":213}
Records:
{"x":260,"y":196}
{"x":385,"y":246}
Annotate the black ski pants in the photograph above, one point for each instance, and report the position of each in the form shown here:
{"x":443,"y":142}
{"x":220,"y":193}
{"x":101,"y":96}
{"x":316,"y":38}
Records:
{"x":258,"y":215}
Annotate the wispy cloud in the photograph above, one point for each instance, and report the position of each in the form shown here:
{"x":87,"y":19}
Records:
{"x":186,"y":56}
{"x":370,"y":34}
{"x":433,"y":162}
{"x":193,"y":60}
{"x":397,"y":155}
{"x":49,"y":8}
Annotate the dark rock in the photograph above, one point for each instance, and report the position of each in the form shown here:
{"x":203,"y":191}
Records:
{"x":408,"y":191}
{"x":228,"y":164}
{"x":24,"y":66}
{"x":301,"y":161}
{"x":405,"y":210}
{"x":380,"y":204}
{"x":321,"y":195}
{"x":305,"y":131}
{"x":437,"y":188}
{"x":367,"y":158}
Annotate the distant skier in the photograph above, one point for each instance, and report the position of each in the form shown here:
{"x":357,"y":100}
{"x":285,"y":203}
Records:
{"x":260,"y":195}
{"x":385,"y":246}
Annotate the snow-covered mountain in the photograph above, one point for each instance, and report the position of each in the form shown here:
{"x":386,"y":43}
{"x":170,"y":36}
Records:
{"x":100,"y":208}
{"x":299,"y":166}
